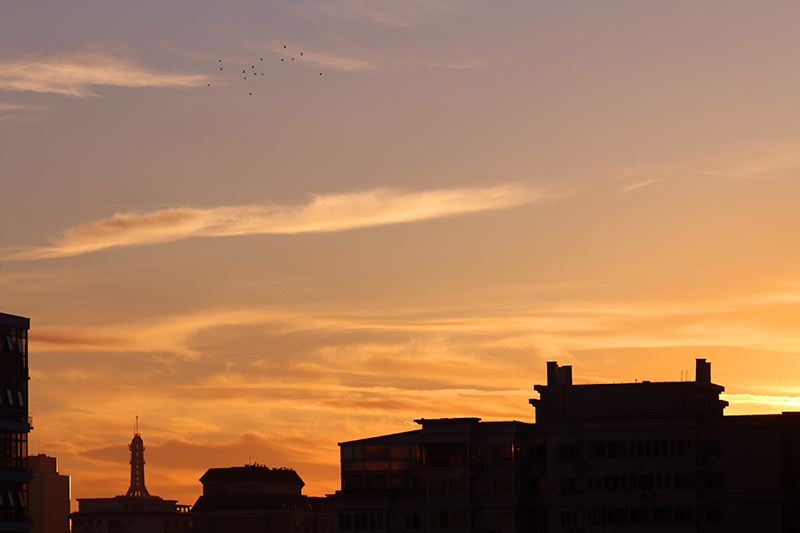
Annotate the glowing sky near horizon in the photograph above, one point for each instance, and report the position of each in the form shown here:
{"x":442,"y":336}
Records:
{"x":469,"y":190}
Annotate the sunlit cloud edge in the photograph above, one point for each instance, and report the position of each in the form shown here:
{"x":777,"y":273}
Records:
{"x":74,"y":74}
{"x":323,"y":214}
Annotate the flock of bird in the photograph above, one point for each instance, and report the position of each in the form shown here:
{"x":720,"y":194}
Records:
{"x":253,"y":72}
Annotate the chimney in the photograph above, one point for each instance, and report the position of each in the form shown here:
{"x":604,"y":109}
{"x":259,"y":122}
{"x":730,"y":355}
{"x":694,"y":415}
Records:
{"x":552,"y":373}
{"x":558,"y":375}
{"x":566,"y":375}
{"x":702,"y":372}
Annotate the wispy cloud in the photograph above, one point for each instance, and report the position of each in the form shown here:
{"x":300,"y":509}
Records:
{"x":765,"y":161}
{"x":639,"y":185}
{"x":325,"y":213}
{"x":16,"y":107}
{"x":74,"y":74}
{"x":341,"y":63}
{"x":394,"y":13}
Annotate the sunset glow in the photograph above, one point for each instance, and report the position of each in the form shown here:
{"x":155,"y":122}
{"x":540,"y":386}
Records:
{"x":262,"y":253}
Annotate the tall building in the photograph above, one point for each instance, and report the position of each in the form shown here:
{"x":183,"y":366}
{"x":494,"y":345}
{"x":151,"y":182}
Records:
{"x":644,"y":456}
{"x":14,"y":423}
{"x":48,"y":496}
{"x":647,"y":455}
{"x":137,"y":511}
{"x":256,"y":498}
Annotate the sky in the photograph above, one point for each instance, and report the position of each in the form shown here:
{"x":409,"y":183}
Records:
{"x":379,"y":211}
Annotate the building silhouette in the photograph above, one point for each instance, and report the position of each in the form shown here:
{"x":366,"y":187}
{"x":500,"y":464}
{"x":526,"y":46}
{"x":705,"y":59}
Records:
{"x":48,"y":496}
{"x":256,"y":498}
{"x":137,"y":511}
{"x":14,"y":423}
{"x":602,"y":457}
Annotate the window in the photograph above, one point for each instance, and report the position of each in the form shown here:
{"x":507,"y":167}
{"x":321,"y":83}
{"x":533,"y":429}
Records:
{"x":445,"y":486}
{"x":569,"y":518}
{"x":712,"y":448}
{"x":596,"y":450}
{"x":400,"y":451}
{"x":376,"y":453}
{"x":713,"y":516}
{"x":569,"y":485}
{"x":502,"y":453}
{"x":568,"y":452}
{"x":449,"y":453}
{"x":413,"y":521}
{"x":503,"y":520}
{"x":503,"y":486}
{"x":662,"y":515}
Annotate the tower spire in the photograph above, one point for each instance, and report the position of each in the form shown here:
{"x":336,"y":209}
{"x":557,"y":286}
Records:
{"x":136,"y":447}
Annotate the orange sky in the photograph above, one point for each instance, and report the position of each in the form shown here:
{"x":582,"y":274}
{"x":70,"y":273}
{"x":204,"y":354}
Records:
{"x":468,"y":190}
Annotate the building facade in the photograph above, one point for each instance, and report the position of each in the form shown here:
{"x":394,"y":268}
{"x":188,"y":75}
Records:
{"x":48,"y":496}
{"x":642,"y":456}
{"x":456,"y":475}
{"x":137,"y":511}
{"x":15,"y":425}
{"x":257,"y":499}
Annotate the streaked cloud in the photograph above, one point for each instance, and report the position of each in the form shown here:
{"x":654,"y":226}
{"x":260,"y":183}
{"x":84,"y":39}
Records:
{"x":74,"y":74}
{"x":639,"y":185}
{"x":761,"y":161}
{"x":394,"y":13}
{"x":13,"y":107}
{"x":340,"y":63}
{"x":324,"y":213}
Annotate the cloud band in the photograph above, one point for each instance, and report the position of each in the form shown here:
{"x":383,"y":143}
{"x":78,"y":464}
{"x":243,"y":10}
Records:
{"x":325,"y":213}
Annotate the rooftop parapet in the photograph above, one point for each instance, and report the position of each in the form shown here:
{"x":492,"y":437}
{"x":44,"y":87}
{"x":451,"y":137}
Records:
{"x":561,"y":400}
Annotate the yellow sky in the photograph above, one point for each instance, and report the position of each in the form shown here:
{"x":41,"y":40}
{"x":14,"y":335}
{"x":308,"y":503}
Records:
{"x":406,"y":221}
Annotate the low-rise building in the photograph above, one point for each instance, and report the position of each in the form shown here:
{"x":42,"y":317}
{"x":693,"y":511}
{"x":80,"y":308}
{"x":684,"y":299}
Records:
{"x":256,"y":498}
{"x":135,"y":512}
{"x":457,"y":474}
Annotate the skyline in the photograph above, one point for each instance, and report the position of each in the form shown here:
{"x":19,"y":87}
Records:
{"x":466,"y":192}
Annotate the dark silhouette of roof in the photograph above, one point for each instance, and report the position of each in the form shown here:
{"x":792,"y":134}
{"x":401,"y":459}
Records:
{"x":263,"y":502}
{"x":252,"y":473}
